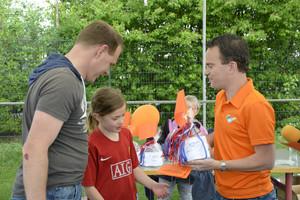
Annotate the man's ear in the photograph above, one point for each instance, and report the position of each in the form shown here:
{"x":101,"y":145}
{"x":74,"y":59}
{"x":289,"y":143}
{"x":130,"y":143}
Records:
{"x":233,"y":66}
{"x":101,"y":49}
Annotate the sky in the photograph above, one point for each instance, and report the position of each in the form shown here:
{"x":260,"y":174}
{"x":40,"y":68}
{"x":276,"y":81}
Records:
{"x":41,"y":3}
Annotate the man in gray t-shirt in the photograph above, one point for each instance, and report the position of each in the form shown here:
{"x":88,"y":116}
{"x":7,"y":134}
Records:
{"x":55,"y":149}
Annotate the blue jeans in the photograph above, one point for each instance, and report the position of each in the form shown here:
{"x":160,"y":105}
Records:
{"x":204,"y":185}
{"x":61,"y":193}
{"x":270,"y":196}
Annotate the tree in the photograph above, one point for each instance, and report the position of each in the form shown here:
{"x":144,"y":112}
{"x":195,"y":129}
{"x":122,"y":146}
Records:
{"x":272,"y":34}
{"x":163,"y":45}
{"x":23,"y":24}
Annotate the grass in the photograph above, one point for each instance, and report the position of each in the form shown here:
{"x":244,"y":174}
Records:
{"x":11,"y":156}
{"x":10,"y":159}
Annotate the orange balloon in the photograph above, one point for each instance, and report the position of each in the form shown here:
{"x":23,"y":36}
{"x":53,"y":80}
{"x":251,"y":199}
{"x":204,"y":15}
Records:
{"x":144,"y":122}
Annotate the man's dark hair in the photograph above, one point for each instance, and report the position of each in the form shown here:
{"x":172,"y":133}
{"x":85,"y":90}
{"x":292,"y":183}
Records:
{"x":232,"y":48}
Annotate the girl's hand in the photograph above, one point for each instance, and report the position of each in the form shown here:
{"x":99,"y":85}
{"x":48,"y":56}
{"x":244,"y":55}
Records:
{"x":160,"y":190}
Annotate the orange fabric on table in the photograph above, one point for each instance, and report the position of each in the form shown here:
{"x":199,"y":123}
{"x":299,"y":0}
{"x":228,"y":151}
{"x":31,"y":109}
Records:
{"x":179,"y":171}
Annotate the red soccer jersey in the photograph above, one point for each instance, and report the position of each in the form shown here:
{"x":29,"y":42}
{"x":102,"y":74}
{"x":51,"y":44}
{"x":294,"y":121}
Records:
{"x":110,"y":165}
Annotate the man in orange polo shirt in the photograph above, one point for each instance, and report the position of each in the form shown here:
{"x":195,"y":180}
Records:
{"x":244,"y":131}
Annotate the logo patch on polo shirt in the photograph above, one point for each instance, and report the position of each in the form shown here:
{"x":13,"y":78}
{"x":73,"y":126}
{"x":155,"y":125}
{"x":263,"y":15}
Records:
{"x":230,"y":119}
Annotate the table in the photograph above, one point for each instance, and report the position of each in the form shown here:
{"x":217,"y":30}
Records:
{"x":282,"y":166}
{"x":282,"y":155}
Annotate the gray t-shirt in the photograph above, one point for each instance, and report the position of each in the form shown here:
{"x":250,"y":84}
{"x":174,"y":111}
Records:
{"x":61,"y":94}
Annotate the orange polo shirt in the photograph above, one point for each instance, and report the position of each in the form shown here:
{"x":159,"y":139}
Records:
{"x":241,"y":123}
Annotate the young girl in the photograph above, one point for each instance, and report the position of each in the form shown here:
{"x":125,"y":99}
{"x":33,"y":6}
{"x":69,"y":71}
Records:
{"x":112,"y":167}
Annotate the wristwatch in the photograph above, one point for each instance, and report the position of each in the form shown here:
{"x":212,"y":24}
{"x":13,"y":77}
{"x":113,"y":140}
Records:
{"x":223,"y":166}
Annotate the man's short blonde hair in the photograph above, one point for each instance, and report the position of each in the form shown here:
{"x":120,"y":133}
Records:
{"x":100,"y":33}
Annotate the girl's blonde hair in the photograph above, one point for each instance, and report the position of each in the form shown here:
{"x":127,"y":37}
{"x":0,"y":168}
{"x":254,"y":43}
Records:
{"x":193,"y":99}
{"x":105,"y":101}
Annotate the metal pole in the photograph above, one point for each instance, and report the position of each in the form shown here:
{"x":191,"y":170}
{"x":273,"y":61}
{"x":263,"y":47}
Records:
{"x":109,"y":78}
{"x":164,"y":102}
{"x":204,"y":63}
{"x":56,"y":14}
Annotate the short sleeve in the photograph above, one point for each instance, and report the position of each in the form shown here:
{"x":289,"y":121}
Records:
{"x":90,"y":174}
{"x":61,"y":93}
{"x":261,"y":123}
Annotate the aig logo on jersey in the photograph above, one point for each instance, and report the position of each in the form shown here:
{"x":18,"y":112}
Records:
{"x":121,"y":169}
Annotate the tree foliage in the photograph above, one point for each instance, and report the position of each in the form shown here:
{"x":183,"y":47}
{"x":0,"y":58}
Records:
{"x":163,"y":45}
{"x":272,"y":34}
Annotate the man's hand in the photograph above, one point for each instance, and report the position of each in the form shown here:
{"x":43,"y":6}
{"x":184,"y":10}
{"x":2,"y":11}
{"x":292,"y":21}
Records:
{"x":204,"y":164}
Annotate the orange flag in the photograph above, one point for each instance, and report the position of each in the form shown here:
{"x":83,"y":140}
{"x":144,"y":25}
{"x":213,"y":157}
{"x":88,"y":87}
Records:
{"x":127,"y":119}
{"x":294,"y":145}
{"x":179,"y":171}
{"x":180,"y":109}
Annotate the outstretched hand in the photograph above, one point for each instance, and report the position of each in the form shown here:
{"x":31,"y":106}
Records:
{"x":160,"y":190}
{"x":203,"y":164}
